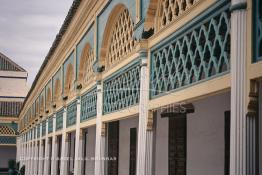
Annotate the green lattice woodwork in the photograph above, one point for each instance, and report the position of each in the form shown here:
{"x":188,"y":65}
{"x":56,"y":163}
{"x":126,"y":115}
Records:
{"x":198,"y":51}
{"x":59,"y":119}
{"x":257,"y":30}
{"x":88,"y":104}
{"x":7,"y":140}
{"x":122,"y":89}
{"x":50,"y":125}
{"x":71,"y":114}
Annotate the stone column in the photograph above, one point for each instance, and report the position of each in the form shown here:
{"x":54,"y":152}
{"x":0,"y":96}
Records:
{"x":54,"y":148}
{"x":145,"y":134}
{"x":36,"y":157}
{"x":64,"y":149}
{"x":27,"y":156}
{"x":47,"y":147}
{"x":100,"y":140}
{"x":40,"y":157}
{"x":78,"y":141}
{"x":32,"y":154}
{"x":238,"y":88}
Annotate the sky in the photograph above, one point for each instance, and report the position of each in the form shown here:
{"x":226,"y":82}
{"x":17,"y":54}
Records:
{"x":28,"y":29}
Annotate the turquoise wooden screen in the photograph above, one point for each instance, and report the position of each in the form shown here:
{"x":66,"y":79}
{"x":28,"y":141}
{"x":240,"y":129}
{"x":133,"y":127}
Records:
{"x":88,"y":104}
{"x":122,"y":89}
{"x":198,"y":51}
{"x":59,"y":119}
{"x":71,"y":114}
{"x":257,"y":30}
{"x":50,"y":125}
{"x":7,"y":140}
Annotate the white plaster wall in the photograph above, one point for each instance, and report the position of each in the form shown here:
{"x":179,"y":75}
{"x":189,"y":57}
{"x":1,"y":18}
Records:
{"x":124,"y":143}
{"x":13,"y":87}
{"x":7,"y":153}
{"x":205,"y":138}
{"x":90,"y":148}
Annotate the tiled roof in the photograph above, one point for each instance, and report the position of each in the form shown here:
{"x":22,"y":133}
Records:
{"x":6,"y":64}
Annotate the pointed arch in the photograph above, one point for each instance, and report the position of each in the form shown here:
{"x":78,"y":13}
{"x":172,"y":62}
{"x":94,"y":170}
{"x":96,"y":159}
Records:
{"x":118,"y":38}
{"x":86,"y":65}
{"x":69,"y":81}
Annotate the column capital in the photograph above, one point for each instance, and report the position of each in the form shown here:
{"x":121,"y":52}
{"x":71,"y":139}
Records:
{"x":238,"y":6}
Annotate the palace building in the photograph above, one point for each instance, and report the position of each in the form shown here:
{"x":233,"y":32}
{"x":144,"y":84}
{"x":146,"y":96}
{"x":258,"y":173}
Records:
{"x":148,"y":87}
{"x":13,"y":90}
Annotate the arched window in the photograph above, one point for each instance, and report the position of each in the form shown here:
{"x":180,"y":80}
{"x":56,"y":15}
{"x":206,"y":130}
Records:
{"x":86,"y":73}
{"x":69,"y":81}
{"x":118,"y":39}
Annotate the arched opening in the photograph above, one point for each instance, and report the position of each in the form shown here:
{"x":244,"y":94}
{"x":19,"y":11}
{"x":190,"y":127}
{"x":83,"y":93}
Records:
{"x":118,"y":39}
{"x":86,"y":63}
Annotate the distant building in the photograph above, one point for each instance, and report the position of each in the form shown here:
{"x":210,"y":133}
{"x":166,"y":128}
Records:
{"x":13,"y":90}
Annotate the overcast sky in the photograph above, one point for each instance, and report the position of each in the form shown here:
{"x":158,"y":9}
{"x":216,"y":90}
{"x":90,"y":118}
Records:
{"x":28,"y":29}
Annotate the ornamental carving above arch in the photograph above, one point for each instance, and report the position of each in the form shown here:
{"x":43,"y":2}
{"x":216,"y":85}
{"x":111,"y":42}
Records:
{"x":48,"y":98}
{"x":41,"y":105}
{"x":69,"y":80}
{"x":118,"y":41}
{"x":57,"y":91}
{"x":86,"y":74}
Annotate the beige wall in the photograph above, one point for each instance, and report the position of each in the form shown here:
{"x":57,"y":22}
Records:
{"x":13,"y":84}
{"x":90,"y":148}
{"x":205,"y":138}
{"x":124,"y":143}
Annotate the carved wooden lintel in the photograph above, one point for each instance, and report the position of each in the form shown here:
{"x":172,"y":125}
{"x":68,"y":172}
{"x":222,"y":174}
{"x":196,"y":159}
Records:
{"x":150,"y":120}
{"x":103,"y":129}
{"x":253,"y":99}
{"x":81,"y":134}
{"x":67,"y":135}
